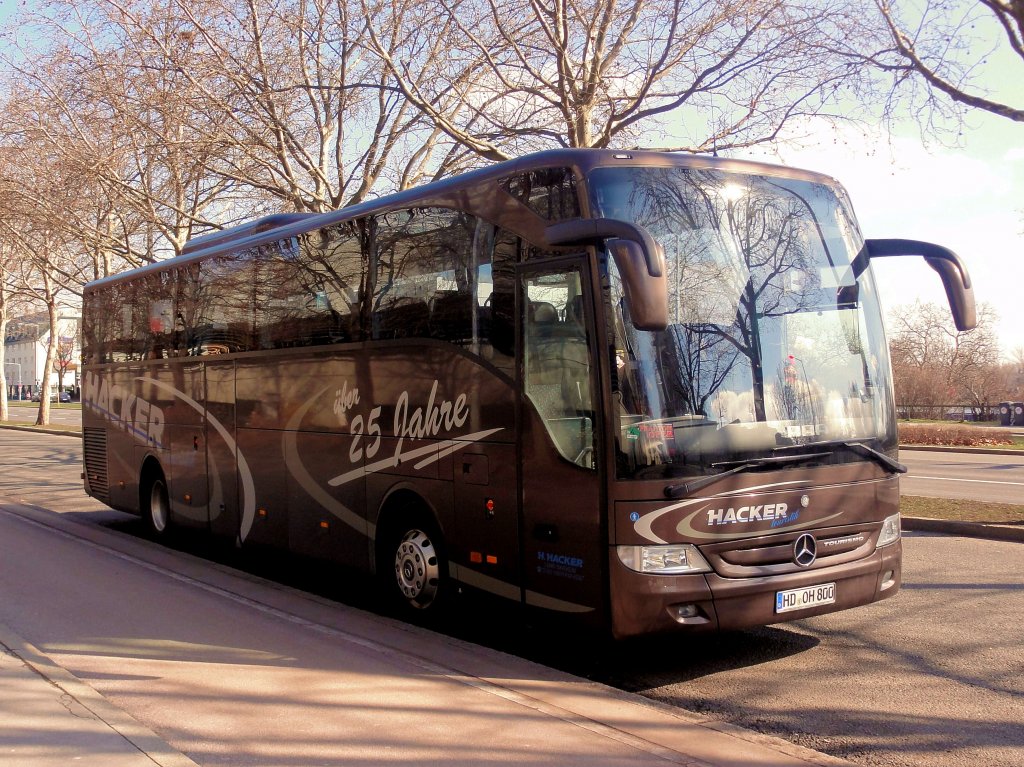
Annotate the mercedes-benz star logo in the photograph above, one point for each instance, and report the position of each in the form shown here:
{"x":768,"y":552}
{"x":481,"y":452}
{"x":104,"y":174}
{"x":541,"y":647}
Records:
{"x":805,"y":550}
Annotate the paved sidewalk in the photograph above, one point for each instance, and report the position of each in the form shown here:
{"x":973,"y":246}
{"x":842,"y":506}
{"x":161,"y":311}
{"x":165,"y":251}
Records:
{"x":50,"y":718}
{"x":373,"y":690}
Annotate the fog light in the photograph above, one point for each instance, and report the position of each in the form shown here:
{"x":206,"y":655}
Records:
{"x":888,"y":580}
{"x":688,"y":614}
{"x":685,"y":611}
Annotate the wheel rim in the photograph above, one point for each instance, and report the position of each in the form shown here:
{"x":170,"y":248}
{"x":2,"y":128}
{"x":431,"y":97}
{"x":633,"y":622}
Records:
{"x":158,"y":506}
{"x":417,"y":573}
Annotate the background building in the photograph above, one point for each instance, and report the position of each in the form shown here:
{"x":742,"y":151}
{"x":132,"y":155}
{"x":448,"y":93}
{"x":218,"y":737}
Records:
{"x":25,"y":354}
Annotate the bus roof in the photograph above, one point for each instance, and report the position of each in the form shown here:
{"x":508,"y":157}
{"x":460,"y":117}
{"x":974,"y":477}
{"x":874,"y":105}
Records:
{"x":284,"y":225}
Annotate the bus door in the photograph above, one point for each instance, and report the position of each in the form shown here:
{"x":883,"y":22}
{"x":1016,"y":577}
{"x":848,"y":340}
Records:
{"x":561,"y":493}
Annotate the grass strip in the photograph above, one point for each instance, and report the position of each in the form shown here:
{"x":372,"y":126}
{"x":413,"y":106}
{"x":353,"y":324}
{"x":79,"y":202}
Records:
{"x":960,"y":510}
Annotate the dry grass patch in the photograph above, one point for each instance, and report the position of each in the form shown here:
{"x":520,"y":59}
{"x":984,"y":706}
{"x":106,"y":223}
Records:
{"x":954,"y":434}
{"x":959,"y":510}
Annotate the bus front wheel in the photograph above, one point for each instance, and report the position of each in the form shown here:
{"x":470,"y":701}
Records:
{"x":415,"y":567}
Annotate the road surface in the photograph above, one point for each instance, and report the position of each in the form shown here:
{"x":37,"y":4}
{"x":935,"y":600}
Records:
{"x":971,"y":476}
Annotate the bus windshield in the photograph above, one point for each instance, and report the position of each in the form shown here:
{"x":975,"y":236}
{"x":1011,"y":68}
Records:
{"x":773,"y":340}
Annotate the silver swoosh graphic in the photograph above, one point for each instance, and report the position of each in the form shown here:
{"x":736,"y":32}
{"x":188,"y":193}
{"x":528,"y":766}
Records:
{"x":310,"y":485}
{"x":248,"y":486}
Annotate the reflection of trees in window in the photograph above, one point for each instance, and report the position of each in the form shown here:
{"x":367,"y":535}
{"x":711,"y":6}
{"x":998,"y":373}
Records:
{"x":770,"y":231}
{"x":193,"y":296}
{"x":548,"y":192}
{"x":333,"y":267}
{"x":101,"y":327}
{"x":741,"y":257}
{"x":225,"y":305}
{"x":426,"y":283}
{"x":696,"y":364}
{"x":794,"y":395}
{"x":414,"y":273}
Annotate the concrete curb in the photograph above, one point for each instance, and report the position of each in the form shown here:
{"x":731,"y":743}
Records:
{"x":966,"y":529}
{"x":105,"y":714}
{"x":41,"y":430}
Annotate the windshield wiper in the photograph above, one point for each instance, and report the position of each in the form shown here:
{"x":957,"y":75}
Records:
{"x":750,"y":464}
{"x":858,"y":447}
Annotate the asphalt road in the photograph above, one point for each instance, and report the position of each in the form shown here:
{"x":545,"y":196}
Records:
{"x":972,"y":476}
{"x":62,"y":415}
{"x":931,"y":678}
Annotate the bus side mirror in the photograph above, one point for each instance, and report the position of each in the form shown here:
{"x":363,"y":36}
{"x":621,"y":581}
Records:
{"x":646,"y":295}
{"x":638,"y":256}
{"x":582,"y":231}
{"x":951,"y":269}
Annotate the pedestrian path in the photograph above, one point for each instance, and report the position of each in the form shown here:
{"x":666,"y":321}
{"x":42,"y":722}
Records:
{"x":50,"y":718}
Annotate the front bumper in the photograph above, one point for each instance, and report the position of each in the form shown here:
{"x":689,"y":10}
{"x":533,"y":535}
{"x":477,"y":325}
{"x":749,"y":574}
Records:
{"x":646,"y":604}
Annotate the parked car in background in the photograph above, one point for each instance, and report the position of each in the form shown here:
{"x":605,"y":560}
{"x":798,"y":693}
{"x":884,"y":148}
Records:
{"x":61,"y":396}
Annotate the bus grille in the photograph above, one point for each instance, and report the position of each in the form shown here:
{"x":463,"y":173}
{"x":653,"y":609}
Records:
{"x":94,"y":443}
{"x":773,"y":555}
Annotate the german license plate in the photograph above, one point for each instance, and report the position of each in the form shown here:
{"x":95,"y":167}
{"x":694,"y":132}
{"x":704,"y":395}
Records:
{"x":801,"y":599}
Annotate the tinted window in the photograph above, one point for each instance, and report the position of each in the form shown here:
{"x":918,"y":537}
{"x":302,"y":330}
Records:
{"x":222,"y":301}
{"x":549,"y":192}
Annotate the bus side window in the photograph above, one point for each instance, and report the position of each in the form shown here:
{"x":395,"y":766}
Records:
{"x":425,"y":282}
{"x":548,"y":192}
{"x":224,"y":310}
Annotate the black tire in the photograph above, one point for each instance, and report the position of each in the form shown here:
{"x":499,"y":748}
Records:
{"x":413,"y":567}
{"x":156,"y":506}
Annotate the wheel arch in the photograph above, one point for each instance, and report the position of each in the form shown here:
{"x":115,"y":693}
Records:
{"x":150,"y":469}
{"x":401,"y":504}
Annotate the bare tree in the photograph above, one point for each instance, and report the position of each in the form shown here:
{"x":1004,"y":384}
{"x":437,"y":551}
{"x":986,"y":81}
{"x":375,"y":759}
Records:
{"x":65,"y":358}
{"x":940,"y":43}
{"x":284,"y":96}
{"x":934,"y":365}
{"x":507,"y":76}
{"x":131,"y":129}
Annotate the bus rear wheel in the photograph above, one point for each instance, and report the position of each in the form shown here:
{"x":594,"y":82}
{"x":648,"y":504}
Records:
{"x":158,"y":508}
{"x":415,"y":566}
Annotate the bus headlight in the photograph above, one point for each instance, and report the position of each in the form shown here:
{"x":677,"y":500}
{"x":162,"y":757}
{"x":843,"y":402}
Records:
{"x":673,"y":559}
{"x":890,"y":531}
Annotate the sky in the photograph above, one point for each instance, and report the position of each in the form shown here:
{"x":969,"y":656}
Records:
{"x":969,"y":198}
